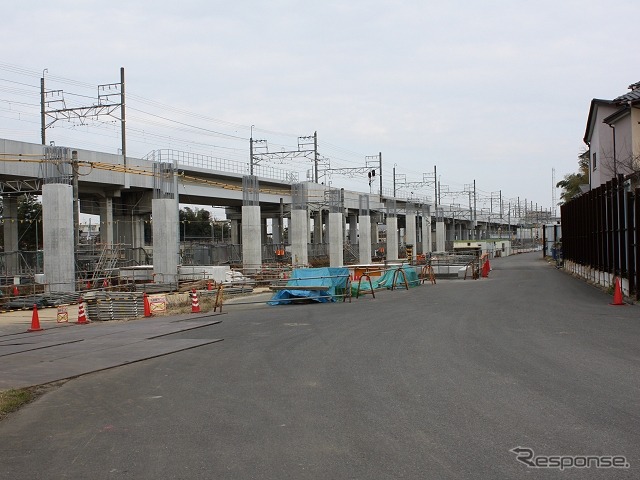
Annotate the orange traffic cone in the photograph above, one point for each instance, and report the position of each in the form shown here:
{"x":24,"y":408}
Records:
{"x":147,"y":306}
{"x":105,"y":283}
{"x":82,"y":317}
{"x":35,"y":320}
{"x":16,"y":292}
{"x":195,"y":306}
{"x":209,"y":285}
{"x":617,"y":294}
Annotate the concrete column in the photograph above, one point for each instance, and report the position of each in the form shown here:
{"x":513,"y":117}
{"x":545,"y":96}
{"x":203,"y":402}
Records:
{"x":353,"y":229}
{"x":166,"y":240}
{"x":11,"y":247}
{"x":410,"y":237}
{"x":299,"y":235}
{"x":317,"y":227}
{"x":57,"y":233}
{"x":275,"y":230}
{"x":263,"y":231}
{"x":392,"y":238}
{"x":336,"y":253}
{"x":440,"y":236}
{"x":450,"y":231}
{"x":375,"y":235}
{"x":235,"y":227}
{"x":106,"y":221}
{"x":364,"y":242}
{"x":426,"y":234}
{"x":251,"y":238}
{"x":137,"y":237}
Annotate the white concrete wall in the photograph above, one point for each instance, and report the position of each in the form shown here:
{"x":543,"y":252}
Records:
{"x":251,"y":238}
{"x":58,"y":241}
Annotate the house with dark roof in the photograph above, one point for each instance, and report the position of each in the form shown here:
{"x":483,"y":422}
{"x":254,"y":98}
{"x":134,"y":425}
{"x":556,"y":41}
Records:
{"x":613,"y":136}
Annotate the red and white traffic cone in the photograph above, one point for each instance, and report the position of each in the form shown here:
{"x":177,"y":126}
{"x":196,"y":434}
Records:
{"x":195,"y":306}
{"x":82,"y":316}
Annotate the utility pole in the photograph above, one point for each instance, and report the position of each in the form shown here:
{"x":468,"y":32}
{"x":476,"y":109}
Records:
{"x":554,"y":199}
{"x":122,"y":118}
{"x":380,"y":159}
{"x":475,"y":206}
{"x":315,"y":156}
{"x":42,"y":116}
{"x":74,"y":182}
{"x":435,"y":185}
{"x":251,"y":155}
{"x":394,"y":181}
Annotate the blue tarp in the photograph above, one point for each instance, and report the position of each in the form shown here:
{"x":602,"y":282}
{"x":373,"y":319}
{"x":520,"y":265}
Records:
{"x":332,"y":277}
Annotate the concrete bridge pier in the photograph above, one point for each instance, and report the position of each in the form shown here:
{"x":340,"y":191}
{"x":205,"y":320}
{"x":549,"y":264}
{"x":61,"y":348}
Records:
{"x":336,"y":240}
{"x":352,"y":220}
{"x":234,"y":228}
{"x":440,"y":236}
{"x":426,"y":232}
{"x":410,"y":237}
{"x":392,"y":237}
{"x":10,"y":227}
{"x":129,"y":231}
{"x":58,"y":238}
{"x":317,"y":226}
{"x":251,"y":238}
{"x":166,"y":240}
{"x":375,"y":234}
{"x":364,"y":242}
{"x":275,"y":230}
{"x":299,"y":234}
{"x":106,"y":221}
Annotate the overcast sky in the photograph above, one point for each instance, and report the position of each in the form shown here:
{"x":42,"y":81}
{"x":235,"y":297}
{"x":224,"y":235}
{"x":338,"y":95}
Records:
{"x":493,"y":91}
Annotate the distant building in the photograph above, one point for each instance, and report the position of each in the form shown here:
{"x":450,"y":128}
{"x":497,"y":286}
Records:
{"x":613,"y":136}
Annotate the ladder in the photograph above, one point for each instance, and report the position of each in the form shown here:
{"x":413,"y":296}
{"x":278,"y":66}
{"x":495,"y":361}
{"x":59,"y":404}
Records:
{"x":107,"y":261}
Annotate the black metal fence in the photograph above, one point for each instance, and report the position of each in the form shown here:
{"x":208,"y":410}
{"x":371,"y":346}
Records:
{"x":600,"y":231}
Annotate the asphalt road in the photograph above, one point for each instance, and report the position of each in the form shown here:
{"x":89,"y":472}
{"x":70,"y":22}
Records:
{"x":440,"y":381}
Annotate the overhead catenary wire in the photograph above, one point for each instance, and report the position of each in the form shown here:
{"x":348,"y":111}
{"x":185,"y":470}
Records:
{"x":176,"y":132}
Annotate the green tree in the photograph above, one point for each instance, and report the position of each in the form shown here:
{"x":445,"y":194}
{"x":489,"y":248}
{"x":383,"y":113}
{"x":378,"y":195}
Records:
{"x":571,"y":182}
{"x":194,"y":224}
{"x":29,"y":223}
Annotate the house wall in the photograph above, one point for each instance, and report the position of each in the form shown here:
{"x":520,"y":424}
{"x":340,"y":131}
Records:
{"x":602,"y":147}
{"x":635,"y":131}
